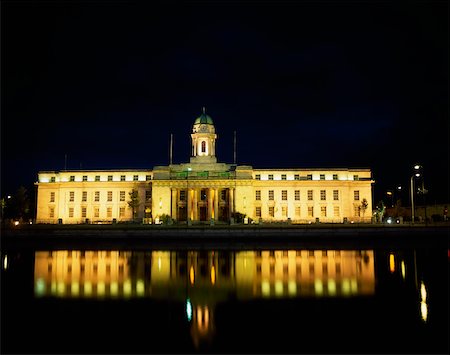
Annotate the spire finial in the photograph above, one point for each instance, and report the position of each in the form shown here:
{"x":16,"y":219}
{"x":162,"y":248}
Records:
{"x":204,"y":110}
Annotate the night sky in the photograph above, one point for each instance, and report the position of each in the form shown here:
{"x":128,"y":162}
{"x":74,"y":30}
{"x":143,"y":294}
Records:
{"x":304,"y":84}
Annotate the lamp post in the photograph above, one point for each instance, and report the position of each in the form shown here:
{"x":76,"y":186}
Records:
{"x":416,"y":174}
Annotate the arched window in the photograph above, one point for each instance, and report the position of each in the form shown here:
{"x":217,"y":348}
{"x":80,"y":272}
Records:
{"x":203,"y":146}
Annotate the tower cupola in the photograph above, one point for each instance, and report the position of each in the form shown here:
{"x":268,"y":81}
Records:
{"x":203,"y":140}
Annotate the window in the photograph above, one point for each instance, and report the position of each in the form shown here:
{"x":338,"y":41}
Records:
{"x":284,"y":211}
{"x":121,"y":211}
{"x":110,"y":178}
{"x":148,"y":177}
{"x":323,"y":211}
{"x":109,"y":212}
{"x":203,"y":146}
{"x":322,"y":176}
{"x":258,"y":176}
{"x":110,"y":193}
{"x":270,"y":176}
{"x":297,"y":195}
{"x":182,"y":195}
{"x":51,"y":212}
{"x":84,"y":177}
{"x":52,"y":179}
{"x":271,"y":195}
{"x":96,"y":212}
{"x":323,"y":195}
{"x":271,"y":211}
{"x":135,"y":177}
{"x":223,"y":195}
{"x":148,"y":195}
{"x":356,"y":195}
{"x":284,"y":195}
{"x":297,"y":211}
{"x":283,"y":176}
{"x":310,"y":195}
{"x":122,"y":196}
{"x":258,"y":195}
{"x":52,"y":197}
{"x":336,"y":211}
{"x":71,"y":196}
{"x":355,"y":177}
{"x":72,"y":178}
{"x":310,"y":211}
{"x":336,"y":195}
{"x":335,"y":177}
{"x":296,"y":177}
{"x":258,"y":212}
{"x":97,"y":177}
{"x":70,"y":212}
{"x":357,"y":211}
{"x":84,"y":196}
{"x":97,"y":196}
{"x":203,"y":195}
{"x":309,"y":177}
{"x":83,"y":212}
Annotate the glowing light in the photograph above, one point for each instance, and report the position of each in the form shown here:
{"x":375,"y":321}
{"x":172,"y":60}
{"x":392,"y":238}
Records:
{"x":213,"y":274}
{"x":192,"y":274}
{"x":292,"y":288}
{"x":424,"y":311}
{"x":75,"y":288}
{"x":87,"y":288}
{"x":279,"y":288}
{"x":345,"y":286}
{"x":416,"y":167}
{"x":318,"y":287}
{"x":159,"y":264}
{"x":403,"y":267}
{"x":354,"y":285}
{"x":101,"y":289}
{"x":5,"y":262}
{"x":265,"y":288}
{"x":42,"y":179}
{"x":127,"y":288}
{"x":61,"y":288}
{"x":39,"y":289}
{"x":392,"y":263}
{"x":423,"y":291}
{"x":114,"y":288}
{"x":331,"y":287}
{"x":53,"y":287}
{"x":140,"y":287}
{"x":189,"y":309}
{"x":16,"y":223}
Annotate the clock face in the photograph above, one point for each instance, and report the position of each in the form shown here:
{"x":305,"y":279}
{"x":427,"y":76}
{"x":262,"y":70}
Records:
{"x":202,"y":129}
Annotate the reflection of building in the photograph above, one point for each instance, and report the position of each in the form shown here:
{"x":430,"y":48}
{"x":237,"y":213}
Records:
{"x":204,"y":189}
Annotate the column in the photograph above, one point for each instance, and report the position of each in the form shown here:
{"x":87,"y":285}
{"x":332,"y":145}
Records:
{"x":174,"y":203}
{"x":231,"y":192}
{"x":189,"y":205}
{"x":216,"y":204}
{"x":195,"y":205}
{"x":210,"y":202}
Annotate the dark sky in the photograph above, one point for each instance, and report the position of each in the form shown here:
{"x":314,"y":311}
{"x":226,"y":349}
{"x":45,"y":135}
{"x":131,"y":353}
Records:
{"x":304,"y":84}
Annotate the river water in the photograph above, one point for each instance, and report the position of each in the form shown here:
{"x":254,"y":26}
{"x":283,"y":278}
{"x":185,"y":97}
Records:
{"x":296,"y":300}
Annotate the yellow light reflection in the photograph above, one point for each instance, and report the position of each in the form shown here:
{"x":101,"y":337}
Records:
{"x":423,"y":292}
{"x":127,"y":288}
{"x":87,"y":288}
{"x":159,"y":263}
{"x":5,"y":262}
{"x":192,"y":274}
{"x":345,"y":286}
{"x":279,"y":288}
{"x":213,"y":275}
{"x":292,"y":288}
{"x":61,"y":288}
{"x":75,"y":288}
{"x":403,"y":267}
{"x":100,"y":289}
{"x":265,"y":288}
{"x":114,"y":289}
{"x":140,"y":287}
{"x":392,"y":263}
{"x":318,"y":287}
{"x":424,"y":311}
{"x":40,"y":287}
{"x":354,"y":285}
{"x":331,"y":287}
{"x":53,"y":287}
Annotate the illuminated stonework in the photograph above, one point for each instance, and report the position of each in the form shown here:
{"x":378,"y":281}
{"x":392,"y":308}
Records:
{"x":204,"y":190}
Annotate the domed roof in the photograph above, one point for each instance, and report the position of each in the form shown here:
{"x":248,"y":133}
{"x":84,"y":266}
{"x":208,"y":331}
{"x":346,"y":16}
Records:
{"x":204,"y":118}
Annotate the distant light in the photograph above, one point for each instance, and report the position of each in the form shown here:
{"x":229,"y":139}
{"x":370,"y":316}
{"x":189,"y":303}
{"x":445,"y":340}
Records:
{"x":213,"y":274}
{"x":416,"y":167}
{"x":403,"y":269}
{"x":417,"y":174}
{"x":389,"y":193}
{"x":392,"y":263}
{"x":188,"y":309}
{"x":16,"y":223}
{"x":399,"y":188}
{"x":9,"y":196}
{"x":192,"y":274}
{"x":423,"y":291}
{"x":424,"y":311}
{"x":5,"y":262}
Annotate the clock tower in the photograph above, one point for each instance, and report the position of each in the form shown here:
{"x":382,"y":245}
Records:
{"x":203,"y":140}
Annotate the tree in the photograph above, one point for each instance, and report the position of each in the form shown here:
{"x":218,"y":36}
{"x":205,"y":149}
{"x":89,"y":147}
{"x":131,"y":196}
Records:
{"x":364,"y":205}
{"x":134,"y":201}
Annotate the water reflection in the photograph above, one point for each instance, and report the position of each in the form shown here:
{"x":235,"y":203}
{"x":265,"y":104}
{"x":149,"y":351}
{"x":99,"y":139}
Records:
{"x":205,"y":275}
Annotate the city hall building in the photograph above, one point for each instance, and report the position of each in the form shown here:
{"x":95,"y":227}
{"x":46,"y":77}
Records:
{"x":205,"y":191}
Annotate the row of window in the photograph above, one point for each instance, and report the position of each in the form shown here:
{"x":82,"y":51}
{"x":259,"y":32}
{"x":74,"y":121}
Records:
{"x":96,"y":214}
{"x":109,"y":178}
{"x":109,"y":196}
{"x":298,"y":177}
{"x":323,"y":195}
{"x":323,"y":211}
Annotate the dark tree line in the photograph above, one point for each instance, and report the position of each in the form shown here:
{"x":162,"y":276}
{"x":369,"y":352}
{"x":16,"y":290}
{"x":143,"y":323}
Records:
{"x":19,"y":206}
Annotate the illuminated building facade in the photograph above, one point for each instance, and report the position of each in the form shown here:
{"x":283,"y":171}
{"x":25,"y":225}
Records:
{"x":205,"y":191}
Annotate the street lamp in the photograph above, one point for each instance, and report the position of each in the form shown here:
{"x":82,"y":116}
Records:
{"x":416,"y":174}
